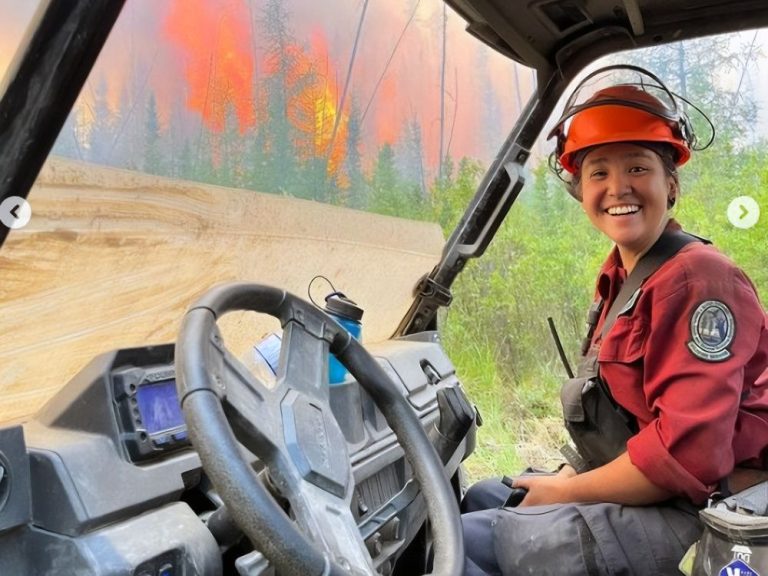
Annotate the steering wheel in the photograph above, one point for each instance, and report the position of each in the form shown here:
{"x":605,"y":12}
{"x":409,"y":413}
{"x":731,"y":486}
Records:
{"x":292,"y":430}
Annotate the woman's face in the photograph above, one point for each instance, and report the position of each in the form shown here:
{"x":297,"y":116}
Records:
{"x":625,"y":190}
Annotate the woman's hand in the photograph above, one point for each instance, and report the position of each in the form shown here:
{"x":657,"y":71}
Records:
{"x":545,"y":489}
{"x":618,"y":481}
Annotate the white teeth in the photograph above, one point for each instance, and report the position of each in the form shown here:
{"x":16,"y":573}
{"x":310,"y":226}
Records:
{"x":617,"y":210}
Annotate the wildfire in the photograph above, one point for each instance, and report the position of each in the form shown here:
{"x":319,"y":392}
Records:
{"x":219,"y":70}
{"x":227,"y":59}
{"x":312,"y":107}
{"x":219,"y":65}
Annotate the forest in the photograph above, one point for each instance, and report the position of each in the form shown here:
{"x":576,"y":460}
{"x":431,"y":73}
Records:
{"x":302,"y":133}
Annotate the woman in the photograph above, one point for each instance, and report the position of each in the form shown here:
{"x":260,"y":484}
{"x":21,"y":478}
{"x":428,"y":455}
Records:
{"x":677,"y":370}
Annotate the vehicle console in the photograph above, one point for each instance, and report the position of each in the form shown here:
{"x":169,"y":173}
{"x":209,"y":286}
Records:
{"x":105,"y":481}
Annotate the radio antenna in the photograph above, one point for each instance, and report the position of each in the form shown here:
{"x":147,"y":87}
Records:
{"x":559,"y":346}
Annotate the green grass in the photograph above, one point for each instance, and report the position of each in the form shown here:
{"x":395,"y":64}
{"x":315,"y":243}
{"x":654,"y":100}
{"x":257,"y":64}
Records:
{"x":521,"y":422}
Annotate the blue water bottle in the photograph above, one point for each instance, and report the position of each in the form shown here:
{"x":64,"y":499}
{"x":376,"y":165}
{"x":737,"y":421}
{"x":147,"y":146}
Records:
{"x":348,"y":314}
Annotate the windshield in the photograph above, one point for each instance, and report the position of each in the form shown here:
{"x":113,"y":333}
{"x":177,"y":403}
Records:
{"x":326,"y":104}
{"x":263,"y":141}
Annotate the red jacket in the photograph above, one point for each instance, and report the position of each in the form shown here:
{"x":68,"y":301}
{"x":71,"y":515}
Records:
{"x":690,"y":361}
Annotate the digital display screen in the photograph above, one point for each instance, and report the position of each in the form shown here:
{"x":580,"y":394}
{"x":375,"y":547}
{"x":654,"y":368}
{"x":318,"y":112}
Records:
{"x":159,"y":406}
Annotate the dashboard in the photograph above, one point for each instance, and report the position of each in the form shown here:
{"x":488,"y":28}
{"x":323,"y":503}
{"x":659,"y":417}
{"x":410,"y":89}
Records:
{"x":104,"y":480}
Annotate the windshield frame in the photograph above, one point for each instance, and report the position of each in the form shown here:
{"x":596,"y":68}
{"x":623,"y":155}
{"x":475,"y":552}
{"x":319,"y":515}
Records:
{"x":42,"y":83}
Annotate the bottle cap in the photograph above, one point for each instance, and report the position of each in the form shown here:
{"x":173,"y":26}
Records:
{"x":337,"y":303}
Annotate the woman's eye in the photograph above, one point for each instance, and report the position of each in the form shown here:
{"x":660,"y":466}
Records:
{"x":636,"y":169}
{"x":597,"y":174}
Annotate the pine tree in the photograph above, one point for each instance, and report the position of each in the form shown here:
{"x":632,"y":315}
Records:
{"x":103,"y":127}
{"x":357,"y":196}
{"x":128,"y":147}
{"x":411,"y":158}
{"x":278,"y":133}
{"x":384,"y":181}
{"x":230,"y":151}
{"x":389,"y":193}
{"x":186,"y":165}
{"x":154,"y":163}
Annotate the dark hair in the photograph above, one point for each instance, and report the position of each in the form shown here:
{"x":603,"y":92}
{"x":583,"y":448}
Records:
{"x":665,"y":151}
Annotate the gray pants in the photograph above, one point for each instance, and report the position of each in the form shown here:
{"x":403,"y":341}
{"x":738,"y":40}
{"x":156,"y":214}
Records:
{"x":573,"y":539}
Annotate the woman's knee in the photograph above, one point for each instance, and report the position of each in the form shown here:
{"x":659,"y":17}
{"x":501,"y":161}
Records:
{"x":484,"y":495}
{"x":480,"y":558}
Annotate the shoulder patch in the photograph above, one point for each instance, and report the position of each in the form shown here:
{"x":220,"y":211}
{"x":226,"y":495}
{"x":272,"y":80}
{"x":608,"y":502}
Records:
{"x":712,"y":331}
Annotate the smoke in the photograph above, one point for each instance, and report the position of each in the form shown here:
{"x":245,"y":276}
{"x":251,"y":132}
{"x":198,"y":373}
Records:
{"x":206,"y":63}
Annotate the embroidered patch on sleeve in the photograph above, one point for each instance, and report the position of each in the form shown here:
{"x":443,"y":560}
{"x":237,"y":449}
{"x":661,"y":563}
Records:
{"x":712,"y":330}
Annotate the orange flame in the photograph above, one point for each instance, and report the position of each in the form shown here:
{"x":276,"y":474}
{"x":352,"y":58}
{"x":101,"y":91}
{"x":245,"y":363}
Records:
{"x":312,"y":106}
{"x":219,"y":64}
{"x":324,"y":97}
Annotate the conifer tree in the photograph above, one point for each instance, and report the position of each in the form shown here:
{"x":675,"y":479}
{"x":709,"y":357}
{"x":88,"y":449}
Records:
{"x":103,"y":126}
{"x":357,"y":196}
{"x":278,"y":133}
{"x":154,"y":163}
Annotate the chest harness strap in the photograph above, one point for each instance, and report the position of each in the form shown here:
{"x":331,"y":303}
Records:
{"x":598,"y":426}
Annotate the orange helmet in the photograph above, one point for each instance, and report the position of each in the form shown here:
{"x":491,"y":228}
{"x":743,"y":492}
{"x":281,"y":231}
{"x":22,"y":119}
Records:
{"x":625,"y":112}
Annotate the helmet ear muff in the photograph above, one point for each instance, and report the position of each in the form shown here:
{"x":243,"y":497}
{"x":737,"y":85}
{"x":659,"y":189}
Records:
{"x":686,"y":131}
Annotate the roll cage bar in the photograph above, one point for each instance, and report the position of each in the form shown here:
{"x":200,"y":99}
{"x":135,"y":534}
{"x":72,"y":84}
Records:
{"x":43,"y":82}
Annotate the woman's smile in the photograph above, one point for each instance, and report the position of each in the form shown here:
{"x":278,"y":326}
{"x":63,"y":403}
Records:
{"x":624,"y":210}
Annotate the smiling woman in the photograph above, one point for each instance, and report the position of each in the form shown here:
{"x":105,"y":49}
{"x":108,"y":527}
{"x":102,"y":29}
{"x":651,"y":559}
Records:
{"x":622,"y":148}
{"x":675,"y":364}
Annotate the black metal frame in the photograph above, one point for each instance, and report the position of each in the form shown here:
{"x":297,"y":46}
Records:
{"x":43,"y":82}
{"x":498,"y":190}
